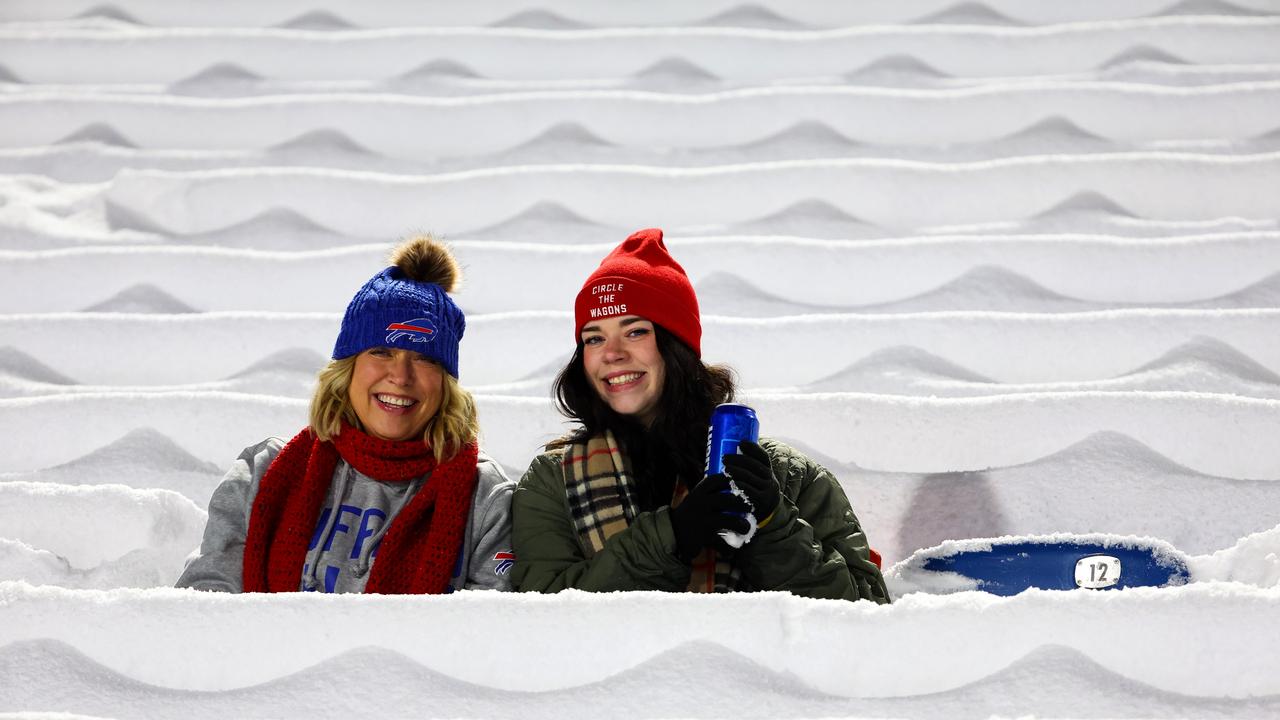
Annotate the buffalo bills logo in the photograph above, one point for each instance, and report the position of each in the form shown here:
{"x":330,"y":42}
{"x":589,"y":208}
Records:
{"x":419,"y":330}
{"x":505,"y":561}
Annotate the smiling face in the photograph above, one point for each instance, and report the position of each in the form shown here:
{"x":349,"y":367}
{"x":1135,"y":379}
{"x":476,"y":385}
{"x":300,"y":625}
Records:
{"x":622,"y":363}
{"x":395,"y":392}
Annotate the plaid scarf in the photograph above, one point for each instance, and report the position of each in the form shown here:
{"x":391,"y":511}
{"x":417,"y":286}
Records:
{"x":420,"y":548}
{"x":601,"y":491}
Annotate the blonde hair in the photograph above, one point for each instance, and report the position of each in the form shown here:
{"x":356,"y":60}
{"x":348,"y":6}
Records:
{"x":454,"y":424}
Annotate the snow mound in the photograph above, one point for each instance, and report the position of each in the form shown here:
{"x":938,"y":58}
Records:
{"x":555,"y":144}
{"x":1142,"y":53}
{"x":1264,"y":293}
{"x":897,"y":71}
{"x":887,"y":371}
{"x":322,"y":143}
{"x":804,"y":139}
{"x":90,"y":525}
{"x":1255,"y":560}
{"x":142,"y":298}
{"x":674,"y":73}
{"x":17,"y":365}
{"x":141,"y":459}
{"x":1207,"y":7}
{"x":726,"y":294}
{"x":317,"y":20}
{"x":221,"y":80}
{"x":968,"y":13}
{"x":750,"y":15}
{"x":429,"y":74}
{"x":98,"y":133}
{"x":109,"y":12}
{"x":546,"y":222}
{"x":538,"y":20}
{"x":275,"y":229}
{"x":808,"y":218}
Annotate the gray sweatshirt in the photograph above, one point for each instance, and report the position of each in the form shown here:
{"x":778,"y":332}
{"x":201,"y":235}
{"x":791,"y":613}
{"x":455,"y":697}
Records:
{"x":356,"y":514}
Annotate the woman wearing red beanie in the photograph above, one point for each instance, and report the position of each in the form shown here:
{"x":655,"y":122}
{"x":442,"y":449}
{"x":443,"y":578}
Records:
{"x":617,"y":504}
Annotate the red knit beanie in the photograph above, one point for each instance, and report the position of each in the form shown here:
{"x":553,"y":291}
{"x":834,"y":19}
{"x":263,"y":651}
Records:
{"x":641,"y":278}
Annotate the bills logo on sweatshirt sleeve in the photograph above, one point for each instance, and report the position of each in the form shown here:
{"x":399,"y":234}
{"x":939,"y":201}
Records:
{"x":505,"y":561}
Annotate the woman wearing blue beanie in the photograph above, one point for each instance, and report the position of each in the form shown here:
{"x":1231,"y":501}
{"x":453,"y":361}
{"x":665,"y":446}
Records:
{"x":389,"y":466}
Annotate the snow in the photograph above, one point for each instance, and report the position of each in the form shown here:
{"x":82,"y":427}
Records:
{"x":948,"y":643}
{"x":658,"y":13}
{"x":1007,"y":269}
{"x":1254,"y":560}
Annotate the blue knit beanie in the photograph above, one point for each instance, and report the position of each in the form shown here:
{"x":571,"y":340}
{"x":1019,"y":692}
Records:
{"x":408,"y":306}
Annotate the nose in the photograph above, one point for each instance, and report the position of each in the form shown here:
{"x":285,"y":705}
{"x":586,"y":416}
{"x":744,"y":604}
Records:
{"x":400,"y":369}
{"x":613,"y":350}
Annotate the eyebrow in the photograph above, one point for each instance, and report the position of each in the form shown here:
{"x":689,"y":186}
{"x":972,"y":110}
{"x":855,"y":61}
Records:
{"x":624,"y":323}
{"x":413,"y":354}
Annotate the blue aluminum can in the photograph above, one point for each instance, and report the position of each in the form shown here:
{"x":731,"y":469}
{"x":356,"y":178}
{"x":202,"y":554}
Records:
{"x":730,"y":424}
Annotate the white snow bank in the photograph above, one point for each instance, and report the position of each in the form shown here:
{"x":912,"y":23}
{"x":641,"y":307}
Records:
{"x":43,"y":715}
{"x":1174,"y":186}
{"x":572,"y":12}
{"x":144,"y":567}
{"x":41,"y":213}
{"x":37,"y":54}
{"x":1058,"y":681}
{"x":502,"y":347}
{"x":425,"y":128}
{"x":1255,"y":559}
{"x":214,"y":427}
{"x":1107,"y":483}
{"x":140,"y":459}
{"x":804,"y":270}
{"x":878,"y":432}
{"x":942,"y":435}
{"x":90,"y":525}
{"x":1201,"y":365}
{"x":922,"y":644}
{"x":95,"y":153}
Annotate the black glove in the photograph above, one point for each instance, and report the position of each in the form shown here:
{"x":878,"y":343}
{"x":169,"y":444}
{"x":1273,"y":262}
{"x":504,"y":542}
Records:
{"x":753,"y":474}
{"x":709,"y":509}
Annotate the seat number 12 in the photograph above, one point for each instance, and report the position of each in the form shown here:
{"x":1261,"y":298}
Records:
{"x":1097,"y":571}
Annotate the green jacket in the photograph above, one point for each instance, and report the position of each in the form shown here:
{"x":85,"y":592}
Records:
{"x":814,"y":546}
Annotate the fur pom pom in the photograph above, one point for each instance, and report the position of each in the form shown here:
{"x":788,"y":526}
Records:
{"x":426,"y":259}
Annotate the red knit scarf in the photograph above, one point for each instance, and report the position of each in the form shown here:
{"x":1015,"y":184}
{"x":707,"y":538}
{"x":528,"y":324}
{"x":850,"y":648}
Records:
{"x":419,"y":550}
